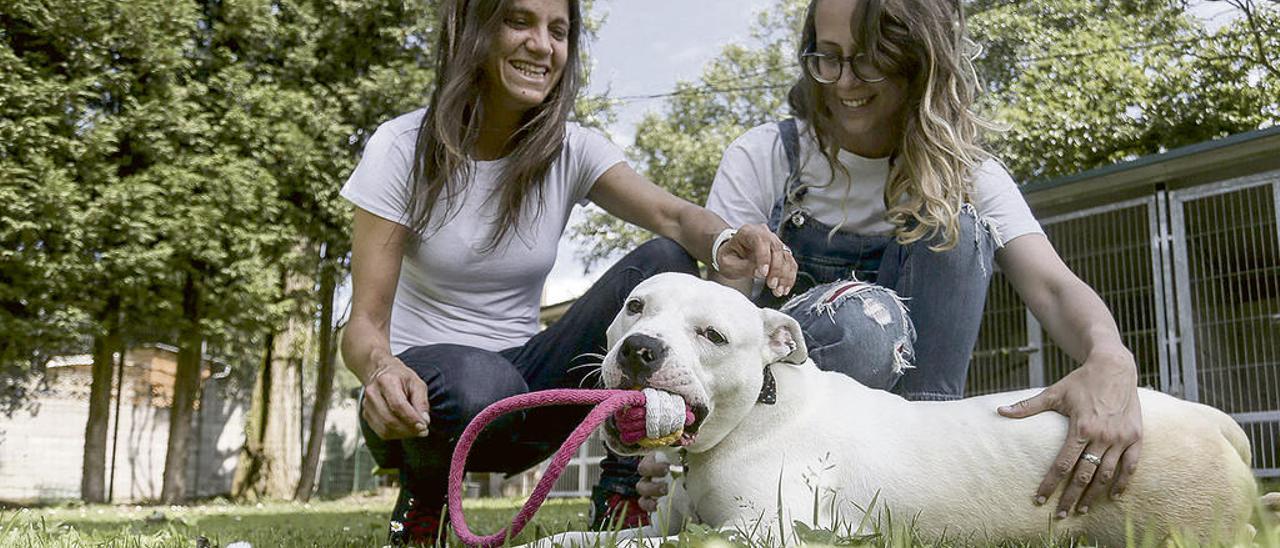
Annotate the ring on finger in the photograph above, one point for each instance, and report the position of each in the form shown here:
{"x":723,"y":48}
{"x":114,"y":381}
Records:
{"x":786,"y":249}
{"x":1091,"y":458}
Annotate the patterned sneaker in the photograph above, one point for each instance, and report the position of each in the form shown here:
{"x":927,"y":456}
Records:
{"x":610,"y":509}
{"x":414,"y":523}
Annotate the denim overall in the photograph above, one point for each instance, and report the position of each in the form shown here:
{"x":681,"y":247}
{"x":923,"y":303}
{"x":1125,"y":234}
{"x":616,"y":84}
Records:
{"x":895,"y":317}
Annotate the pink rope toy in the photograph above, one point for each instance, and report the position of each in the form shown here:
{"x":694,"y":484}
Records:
{"x":629,"y":405}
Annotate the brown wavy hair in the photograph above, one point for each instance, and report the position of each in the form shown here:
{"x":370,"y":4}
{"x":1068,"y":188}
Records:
{"x":939,"y":150}
{"x":450,"y":129}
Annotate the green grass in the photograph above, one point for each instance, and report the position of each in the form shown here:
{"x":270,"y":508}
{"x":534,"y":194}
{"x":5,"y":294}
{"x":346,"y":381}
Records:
{"x":355,"y":521}
{"x":361,"y":521}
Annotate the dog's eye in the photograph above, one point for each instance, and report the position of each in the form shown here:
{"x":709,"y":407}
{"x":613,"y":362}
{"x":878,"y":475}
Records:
{"x":635,"y":306}
{"x":714,"y":336}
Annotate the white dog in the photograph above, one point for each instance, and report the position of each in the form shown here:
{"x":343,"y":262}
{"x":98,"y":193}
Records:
{"x":830,"y":446}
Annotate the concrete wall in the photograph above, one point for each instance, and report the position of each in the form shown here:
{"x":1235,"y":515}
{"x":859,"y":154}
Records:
{"x":42,"y":446}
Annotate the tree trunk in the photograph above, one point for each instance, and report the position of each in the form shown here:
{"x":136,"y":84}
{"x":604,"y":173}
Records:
{"x":324,"y":388}
{"x":272,"y":456}
{"x":186,"y":389}
{"x":250,"y":462}
{"x":92,"y":486}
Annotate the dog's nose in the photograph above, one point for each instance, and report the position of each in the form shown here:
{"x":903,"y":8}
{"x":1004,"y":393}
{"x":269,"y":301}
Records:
{"x":640,"y":356}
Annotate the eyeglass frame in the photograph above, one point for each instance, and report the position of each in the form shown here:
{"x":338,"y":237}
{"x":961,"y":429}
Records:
{"x":804,"y":61}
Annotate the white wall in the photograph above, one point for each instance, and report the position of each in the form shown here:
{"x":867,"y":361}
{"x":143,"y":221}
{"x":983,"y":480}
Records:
{"x":41,"y":452}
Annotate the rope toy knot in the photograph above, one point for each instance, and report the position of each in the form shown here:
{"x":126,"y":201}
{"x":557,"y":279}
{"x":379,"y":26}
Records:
{"x":652,"y":418}
{"x":659,"y":423}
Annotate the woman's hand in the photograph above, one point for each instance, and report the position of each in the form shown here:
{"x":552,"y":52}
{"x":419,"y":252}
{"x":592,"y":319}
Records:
{"x":395,"y":401}
{"x":755,"y":251}
{"x":653,"y":482}
{"x":1104,"y":432}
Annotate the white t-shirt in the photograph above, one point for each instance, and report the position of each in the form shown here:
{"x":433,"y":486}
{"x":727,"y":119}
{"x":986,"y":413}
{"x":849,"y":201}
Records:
{"x":450,"y":291}
{"x":754,"y":169}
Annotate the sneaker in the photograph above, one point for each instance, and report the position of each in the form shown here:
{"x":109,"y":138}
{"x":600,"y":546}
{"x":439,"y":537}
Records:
{"x":610,"y":509}
{"x":414,"y":523}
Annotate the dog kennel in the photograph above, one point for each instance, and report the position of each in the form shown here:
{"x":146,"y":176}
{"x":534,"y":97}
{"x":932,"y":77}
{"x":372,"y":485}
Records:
{"x":1184,"y":248}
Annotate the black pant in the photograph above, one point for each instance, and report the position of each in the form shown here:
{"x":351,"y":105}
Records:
{"x":462,"y":381}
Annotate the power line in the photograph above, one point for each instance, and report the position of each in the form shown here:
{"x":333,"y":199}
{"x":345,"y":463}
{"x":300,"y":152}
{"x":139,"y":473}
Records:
{"x":715,"y":87}
{"x":754,"y":74}
{"x":1131,"y":47}
{"x":695,"y":92}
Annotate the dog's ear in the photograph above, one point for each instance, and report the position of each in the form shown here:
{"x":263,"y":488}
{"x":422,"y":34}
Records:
{"x":783,"y":340}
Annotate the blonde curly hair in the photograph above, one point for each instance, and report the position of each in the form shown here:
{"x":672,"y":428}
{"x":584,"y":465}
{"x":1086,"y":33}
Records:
{"x":933,"y":163}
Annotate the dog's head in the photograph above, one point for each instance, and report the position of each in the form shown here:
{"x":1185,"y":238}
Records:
{"x":702,"y":341}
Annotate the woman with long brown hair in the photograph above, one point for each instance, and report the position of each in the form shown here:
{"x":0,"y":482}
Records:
{"x":896,"y":214}
{"x":459,"y":208}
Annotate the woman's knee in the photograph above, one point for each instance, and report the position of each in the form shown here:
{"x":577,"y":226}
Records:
{"x":463,"y":380}
{"x":662,"y":255}
{"x":856,"y":328}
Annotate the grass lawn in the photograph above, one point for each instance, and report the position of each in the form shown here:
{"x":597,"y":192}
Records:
{"x":361,"y":521}
{"x":356,"y":521}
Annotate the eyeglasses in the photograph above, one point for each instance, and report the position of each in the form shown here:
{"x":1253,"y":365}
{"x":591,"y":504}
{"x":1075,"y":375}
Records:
{"x":826,"y":68}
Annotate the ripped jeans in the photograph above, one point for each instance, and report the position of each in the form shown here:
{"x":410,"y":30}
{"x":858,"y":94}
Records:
{"x":895,"y":317}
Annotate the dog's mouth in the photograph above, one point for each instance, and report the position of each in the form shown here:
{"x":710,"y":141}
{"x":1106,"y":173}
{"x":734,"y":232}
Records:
{"x":699,"y":413}
{"x":687,"y":437}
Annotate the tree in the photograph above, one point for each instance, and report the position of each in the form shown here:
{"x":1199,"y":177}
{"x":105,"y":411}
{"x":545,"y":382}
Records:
{"x":137,"y":56}
{"x":326,"y":355}
{"x":38,"y":140}
{"x":384,"y":64}
{"x":1082,"y":83}
{"x":328,"y":74}
{"x":226,"y":244}
{"x":105,"y":266}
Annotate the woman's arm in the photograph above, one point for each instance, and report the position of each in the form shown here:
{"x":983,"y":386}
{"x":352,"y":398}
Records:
{"x":395,"y":398}
{"x":753,"y":250}
{"x":743,"y":285}
{"x":1100,"y":398}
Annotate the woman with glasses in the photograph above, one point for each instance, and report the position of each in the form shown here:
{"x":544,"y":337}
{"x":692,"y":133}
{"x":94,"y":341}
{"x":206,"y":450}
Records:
{"x":895,"y":214}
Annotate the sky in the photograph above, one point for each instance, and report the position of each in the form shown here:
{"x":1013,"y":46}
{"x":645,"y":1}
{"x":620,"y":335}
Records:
{"x":646,"y":46}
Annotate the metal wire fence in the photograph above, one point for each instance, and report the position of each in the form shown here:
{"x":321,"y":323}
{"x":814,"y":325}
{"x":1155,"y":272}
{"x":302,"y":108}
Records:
{"x":1193,"y":279}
